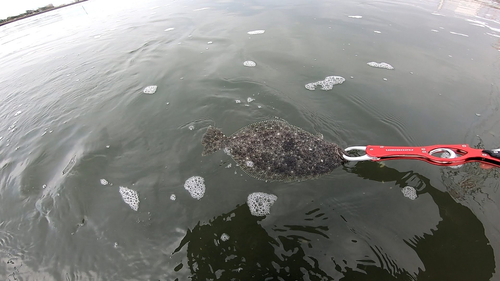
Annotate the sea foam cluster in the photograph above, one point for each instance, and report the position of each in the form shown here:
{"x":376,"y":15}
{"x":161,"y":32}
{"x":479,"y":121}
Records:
{"x":326,"y":84}
{"x":255,"y":32}
{"x":381,"y":65}
{"x":249,"y":63}
{"x":260,"y":203}
{"x":196,"y":187}
{"x":224,"y":237}
{"x":130,"y":197}
{"x":409,"y":192}
{"x":150,"y":89}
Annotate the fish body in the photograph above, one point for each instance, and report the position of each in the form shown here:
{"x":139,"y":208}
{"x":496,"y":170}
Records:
{"x":274,"y":150}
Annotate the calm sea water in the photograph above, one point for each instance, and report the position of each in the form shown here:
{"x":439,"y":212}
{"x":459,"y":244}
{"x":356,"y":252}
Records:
{"x":75,"y":126}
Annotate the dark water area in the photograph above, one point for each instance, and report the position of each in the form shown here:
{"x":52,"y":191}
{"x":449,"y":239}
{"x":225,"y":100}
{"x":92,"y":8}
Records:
{"x":79,"y":139}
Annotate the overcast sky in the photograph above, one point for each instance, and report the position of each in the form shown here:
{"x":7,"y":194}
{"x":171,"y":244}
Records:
{"x":16,"y":7}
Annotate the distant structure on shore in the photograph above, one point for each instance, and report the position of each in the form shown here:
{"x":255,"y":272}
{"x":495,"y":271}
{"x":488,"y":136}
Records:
{"x":40,"y":10}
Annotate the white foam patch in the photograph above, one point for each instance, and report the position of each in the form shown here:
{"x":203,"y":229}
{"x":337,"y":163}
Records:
{"x":249,"y":63}
{"x":104,"y":182}
{"x":255,"y":32}
{"x":376,"y":31}
{"x":12,"y":127}
{"x":459,"y":34}
{"x":196,"y":187}
{"x":493,"y":29}
{"x":481,"y":23}
{"x":150,"y":89}
{"x":237,"y":101}
{"x":409,"y":192}
{"x":224,"y":237}
{"x":356,"y":17}
{"x":169,"y":29}
{"x":383,"y":65}
{"x":172,"y":197}
{"x":130,"y":197}
{"x":494,"y":35}
{"x":249,"y":99}
{"x":326,"y":84}
{"x":249,"y":164}
{"x":191,"y":127}
{"x":260,"y":203}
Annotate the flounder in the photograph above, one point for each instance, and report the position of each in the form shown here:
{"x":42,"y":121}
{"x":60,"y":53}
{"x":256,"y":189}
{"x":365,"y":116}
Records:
{"x":274,"y":150}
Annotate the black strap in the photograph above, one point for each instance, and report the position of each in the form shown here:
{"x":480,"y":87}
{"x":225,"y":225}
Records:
{"x":492,"y":153}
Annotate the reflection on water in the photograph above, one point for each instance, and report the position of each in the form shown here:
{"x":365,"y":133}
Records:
{"x":459,"y":233}
{"x":284,"y":252}
{"x":483,"y":14}
{"x":249,"y":253}
{"x":480,"y":8}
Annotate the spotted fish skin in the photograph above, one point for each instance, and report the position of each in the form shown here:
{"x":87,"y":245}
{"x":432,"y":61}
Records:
{"x":274,"y":150}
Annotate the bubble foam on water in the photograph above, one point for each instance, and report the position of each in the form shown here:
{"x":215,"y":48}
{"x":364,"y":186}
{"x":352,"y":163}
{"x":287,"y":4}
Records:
{"x":326,"y":84}
{"x":224,"y":237}
{"x":383,"y":65}
{"x":237,"y":101}
{"x":172,"y":197}
{"x":255,"y":32}
{"x":169,"y":29}
{"x":459,"y":34}
{"x":196,"y":186}
{"x":249,"y":63}
{"x":130,"y":197}
{"x":150,"y":89}
{"x":409,"y":192}
{"x":249,"y":164}
{"x":104,"y":182}
{"x":249,"y":99}
{"x":191,"y":127}
{"x":356,"y":17}
{"x":260,"y":203}
{"x":494,"y":35}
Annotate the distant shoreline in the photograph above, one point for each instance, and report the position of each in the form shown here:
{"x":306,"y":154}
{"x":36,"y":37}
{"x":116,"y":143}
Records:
{"x":38,"y":11}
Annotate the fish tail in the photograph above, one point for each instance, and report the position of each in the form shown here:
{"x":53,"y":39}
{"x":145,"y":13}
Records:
{"x":213,"y":140}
